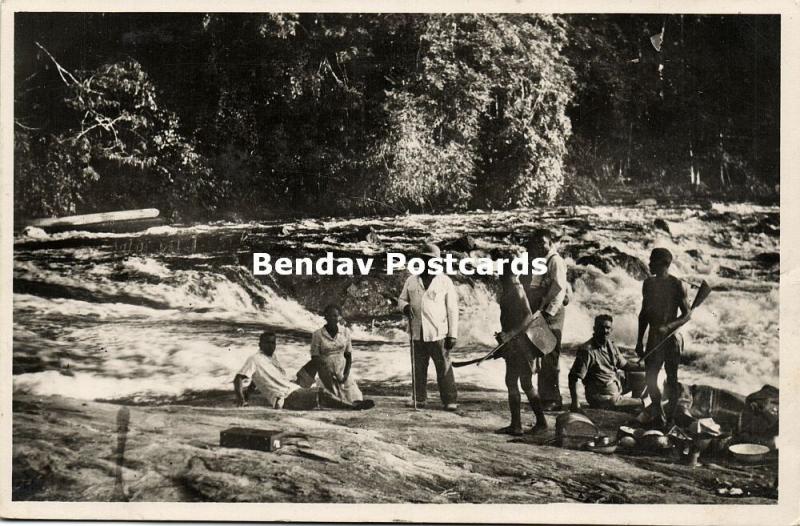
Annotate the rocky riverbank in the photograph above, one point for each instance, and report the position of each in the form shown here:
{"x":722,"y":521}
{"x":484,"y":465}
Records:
{"x":72,"y":450}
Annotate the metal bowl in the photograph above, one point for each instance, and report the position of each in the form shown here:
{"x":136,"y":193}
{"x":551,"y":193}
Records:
{"x":625,"y":431}
{"x":574,"y":442}
{"x":602,"y":441}
{"x":606,"y":449}
{"x":749,"y":452}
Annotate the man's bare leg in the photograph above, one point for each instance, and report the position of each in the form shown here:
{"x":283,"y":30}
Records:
{"x":526,"y":379}
{"x":514,"y":403}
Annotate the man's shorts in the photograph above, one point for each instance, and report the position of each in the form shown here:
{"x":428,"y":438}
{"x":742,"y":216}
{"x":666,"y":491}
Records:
{"x":610,"y":399}
{"x":604,"y":401}
{"x":668,"y":355}
{"x":522,"y":357}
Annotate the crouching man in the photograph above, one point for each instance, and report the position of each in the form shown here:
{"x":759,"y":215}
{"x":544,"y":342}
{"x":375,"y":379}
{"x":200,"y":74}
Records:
{"x":264,"y":371}
{"x":601,"y":367}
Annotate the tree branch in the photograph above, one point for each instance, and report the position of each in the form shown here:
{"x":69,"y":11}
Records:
{"x":25,"y":127}
{"x":61,"y":70}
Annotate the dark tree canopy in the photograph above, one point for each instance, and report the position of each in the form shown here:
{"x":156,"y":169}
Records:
{"x":205,"y":114}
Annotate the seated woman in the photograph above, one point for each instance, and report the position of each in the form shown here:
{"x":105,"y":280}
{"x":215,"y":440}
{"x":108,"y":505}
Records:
{"x":264,"y":370}
{"x":332,"y":356}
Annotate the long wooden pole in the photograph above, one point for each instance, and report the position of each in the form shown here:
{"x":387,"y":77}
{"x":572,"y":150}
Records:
{"x":413,"y":366}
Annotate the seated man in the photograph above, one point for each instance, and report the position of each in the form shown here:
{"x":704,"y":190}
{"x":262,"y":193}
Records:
{"x":601,"y":367}
{"x":263,"y":370}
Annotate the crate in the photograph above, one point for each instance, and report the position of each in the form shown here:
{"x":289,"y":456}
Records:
{"x":248,"y":438}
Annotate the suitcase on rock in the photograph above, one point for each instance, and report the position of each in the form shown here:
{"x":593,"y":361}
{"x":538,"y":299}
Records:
{"x":248,"y":438}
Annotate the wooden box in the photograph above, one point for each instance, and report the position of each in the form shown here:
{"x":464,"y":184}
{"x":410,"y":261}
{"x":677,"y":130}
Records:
{"x":248,"y":438}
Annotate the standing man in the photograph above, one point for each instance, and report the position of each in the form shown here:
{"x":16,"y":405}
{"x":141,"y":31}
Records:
{"x":548,"y":293}
{"x":430,"y":301}
{"x":523,"y":359}
{"x":663,"y":297}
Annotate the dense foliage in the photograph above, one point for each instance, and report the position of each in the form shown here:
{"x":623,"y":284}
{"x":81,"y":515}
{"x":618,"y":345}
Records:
{"x":700,"y":108}
{"x":282,"y":113}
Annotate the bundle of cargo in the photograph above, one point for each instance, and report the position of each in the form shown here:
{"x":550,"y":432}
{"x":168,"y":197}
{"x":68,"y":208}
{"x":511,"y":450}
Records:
{"x":758,"y":421}
{"x":703,"y":401}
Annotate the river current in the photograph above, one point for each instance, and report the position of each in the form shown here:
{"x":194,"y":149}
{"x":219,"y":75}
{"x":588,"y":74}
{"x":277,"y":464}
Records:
{"x":142,"y":317}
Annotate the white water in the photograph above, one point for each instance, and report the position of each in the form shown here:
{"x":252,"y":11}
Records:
{"x":144,"y":329}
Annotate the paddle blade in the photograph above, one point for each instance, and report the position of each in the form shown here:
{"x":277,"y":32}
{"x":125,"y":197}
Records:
{"x":702,"y":293}
{"x":540,"y":335}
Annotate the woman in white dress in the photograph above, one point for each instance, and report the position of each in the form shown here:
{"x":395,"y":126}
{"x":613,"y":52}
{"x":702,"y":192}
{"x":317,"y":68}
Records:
{"x":332,"y":353}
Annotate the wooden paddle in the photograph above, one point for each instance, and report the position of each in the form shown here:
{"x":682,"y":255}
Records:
{"x":702,"y":293}
{"x":535,"y":329}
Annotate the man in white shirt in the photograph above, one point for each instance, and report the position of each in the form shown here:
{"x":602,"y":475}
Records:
{"x":431,"y":303}
{"x":264,"y":371}
{"x":548,"y":293}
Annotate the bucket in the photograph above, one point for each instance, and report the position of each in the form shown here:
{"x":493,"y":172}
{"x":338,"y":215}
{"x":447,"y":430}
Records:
{"x":636,"y":383}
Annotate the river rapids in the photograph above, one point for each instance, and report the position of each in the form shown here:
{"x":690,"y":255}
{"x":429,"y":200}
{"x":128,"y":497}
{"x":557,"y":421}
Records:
{"x":153,"y":316}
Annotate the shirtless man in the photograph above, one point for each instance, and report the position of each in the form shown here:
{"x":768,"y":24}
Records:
{"x":665,"y":307}
{"x":523,"y":360}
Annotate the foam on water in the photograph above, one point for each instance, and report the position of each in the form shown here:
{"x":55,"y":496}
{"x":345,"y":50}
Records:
{"x":143,"y":329}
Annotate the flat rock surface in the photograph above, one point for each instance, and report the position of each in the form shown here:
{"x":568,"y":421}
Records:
{"x":72,"y":450}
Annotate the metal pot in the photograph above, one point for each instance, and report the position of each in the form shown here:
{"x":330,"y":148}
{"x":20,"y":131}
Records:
{"x":636,"y":382}
{"x":655,"y":440}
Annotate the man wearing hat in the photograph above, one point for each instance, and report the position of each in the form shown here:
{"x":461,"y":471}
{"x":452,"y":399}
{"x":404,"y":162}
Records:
{"x":665,"y":308}
{"x":548,"y":293}
{"x":430,"y":301}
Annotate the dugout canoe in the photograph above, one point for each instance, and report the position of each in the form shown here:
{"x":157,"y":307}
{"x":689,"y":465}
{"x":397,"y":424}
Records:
{"x":119,"y":221}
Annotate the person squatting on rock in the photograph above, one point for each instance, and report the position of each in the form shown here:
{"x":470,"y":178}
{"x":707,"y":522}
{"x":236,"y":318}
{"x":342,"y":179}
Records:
{"x":663,"y":299}
{"x":264,"y":371}
{"x":601,"y":367}
{"x":430,"y":301}
{"x":548,"y":293}
{"x":332,"y":355}
{"x":522,"y":358}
